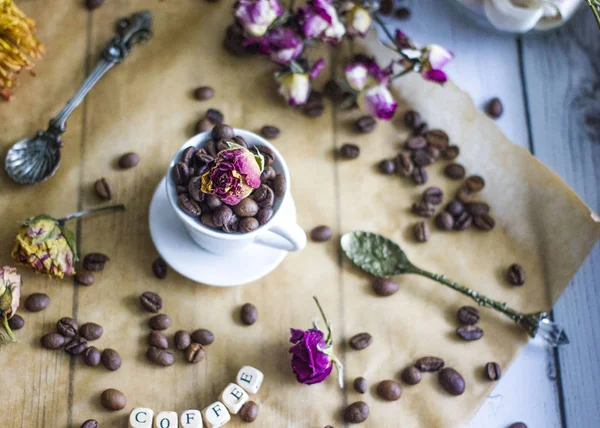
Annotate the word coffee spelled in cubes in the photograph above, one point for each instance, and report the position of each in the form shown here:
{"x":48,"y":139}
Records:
{"x":141,"y":418}
{"x":216,"y":415}
{"x":166,"y":420}
{"x":234,"y":397}
{"x":191,"y":419}
{"x":250,"y":379}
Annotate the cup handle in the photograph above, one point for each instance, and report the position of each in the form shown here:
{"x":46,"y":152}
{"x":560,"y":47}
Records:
{"x":288,"y":237}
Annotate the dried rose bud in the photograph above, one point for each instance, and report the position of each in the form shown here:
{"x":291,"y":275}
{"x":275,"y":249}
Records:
{"x":282,"y":44}
{"x":358,"y":21}
{"x":256,"y":16}
{"x":294,"y":87}
{"x":318,"y":19}
{"x":10,"y":295}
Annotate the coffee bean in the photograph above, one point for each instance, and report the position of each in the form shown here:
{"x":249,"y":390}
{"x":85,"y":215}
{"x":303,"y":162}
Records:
{"x":279,"y":185}
{"x":455,"y":208}
{"x":206,"y":220}
{"x":444,"y":221}
{"x":451,"y":152}
{"x":360,"y":341}
{"x":52,"y":341}
{"x":90,"y":423}
{"x":76,"y":346}
{"x":181,"y":174}
{"x":464,"y":195}
{"x":422,"y":209}
{"x":215,"y":116}
{"x":203,"y":337}
{"x":421,"y":129}
{"x":452,"y":381}
{"x":477,"y":208}
{"x":463,"y":221}
{"x":91,"y":356}
{"x":37,"y":302}
{"x":16,"y":322}
{"x":222,"y":133}
{"x":360,"y":385}
{"x":160,"y":322}
{"x":404,"y":166}
{"x":182,"y":340}
{"x":111,"y":359}
{"x":437,"y":138}
{"x":264,"y":195}
{"x":415,"y":143}
{"x":422,"y":158}
{"x":264,"y":215}
{"x":433,"y":195}
{"x":248,"y":314}
{"x":159,"y":268}
{"x":386,"y":7}
{"x":421,"y":231}
{"x":349,"y":151}
{"x":268,"y":174}
{"x":402,"y":13}
{"x":67,"y":327}
{"x":159,"y":340}
{"x":515,"y":275}
{"x":160,"y":356}
{"x":113,"y":399}
{"x":321,"y":233}
{"x":314,"y":106}
{"x":248,"y":224}
{"x":518,"y":425}
{"x":429,"y":364}
{"x":411,"y":375}
{"x":475,"y":183}
{"x":93,"y":4}
{"x":104,"y":189}
{"x":469,"y":332}
{"x":419,"y":175}
{"x":493,"y":371}
{"x":484,"y":222}
{"x":455,"y":171}
{"x":222,"y":215}
{"x":246,"y":208}
{"x":187,"y":155}
{"x":433,"y":152}
{"x":468,"y":315}
{"x":494,"y":108}
{"x":129,"y":160}
{"x":204,"y":125}
{"x":194,"y":353}
{"x":412,"y":119}
{"x":204,"y":93}
{"x":387,"y":166}
{"x":189,"y":206}
{"x":270,"y":132}
{"x":356,"y":413}
{"x":84,"y":277}
{"x":152,"y":302}
{"x":384,"y":286}
{"x":233,"y":225}
{"x":389,"y":390}
{"x":249,"y":412}
{"x":91,"y":331}
{"x":366,"y":124}
{"x":333,"y":91}
{"x":95,"y":261}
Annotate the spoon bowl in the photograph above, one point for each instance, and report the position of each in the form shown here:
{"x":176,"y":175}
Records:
{"x":34,"y":159}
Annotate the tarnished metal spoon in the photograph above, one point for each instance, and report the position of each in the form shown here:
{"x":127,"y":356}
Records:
{"x":37,"y":158}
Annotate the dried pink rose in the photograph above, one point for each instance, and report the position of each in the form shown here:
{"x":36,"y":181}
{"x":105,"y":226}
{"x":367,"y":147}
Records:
{"x":282,"y":44}
{"x":318,"y":19}
{"x":358,"y":21}
{"x":257,"y":15}
{"x":378,"y":100}
{"x":433,"y":59}
{"x":371,"y":83}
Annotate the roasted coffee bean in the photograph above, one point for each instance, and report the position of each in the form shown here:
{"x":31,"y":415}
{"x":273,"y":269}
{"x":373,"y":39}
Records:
{"x":415,"y":143}
{"x":129,"y":160}
{"x":206,"y":220}
{"x":90,"y":423}
{"x":404,"y":166}
{"x":389,"y":390}
{"x":366,"y":124}
{"x":240,"y":141}
{"x":159,"y":340}
{"x":321,"y":233}
{"x":356,"y":413}
{"x":246,"y":208}
{"x":412,"y":119}
{"x":444,"y":221}
{"x":402,"y":13}
{"x":314,"y":106}
{"x":451,"y":381}
{"x":515,"y":275}
{"x":264,"y":215}
{"x":67,"y":327}
{"x":160,"y":356}
{"x":248,"y":314}
{"x":187,"y":155}
{"x":222,"y":133}
{"x":387,"y":166}
{"x":463,"y":221}
{"x":360,"y":385}
{"x":455,"y":171}
{"x":518,"y":425}
{"x":360,"y":341}
{"x":189,"y":206}
{"x":455,"y":208}
{"x":222,"y":215}
{"x":84,"y":277}
{"x":437,"y":138}
{"x":76,"y":346}
{"x":270,"y":132}
{"x":248,"y":224}
{"x":104,"y":189}
{"x":421,"y":129}
{"x":484,"y":222}
{"x":91,"y":331}
{"x":235,"y":40}
{"x":464,"y":195}
{"x":268,"y":174}
{"x":419,"y":175}
{"x":215,"y":116}
{"x":477,"y":208}
{"x":194,"y":191}
{"x":421,"y":231}
{"x":182,"y":340}
{"x":194,"y":353}
{"x":113,"y":399}
{"x":203,"y":337}
{"x":211,"y":148}
{"x":386,"y":7}
{"x":493,"y":371}
{"x":279,"y":185}
{"x":411,"y":375}
{"x":429,"y":364}
{"x":384,"y":286}
{"x":333,"y":91}
{"x":160,"y":322}
{"x":93,"y":4}
{"x":349,"y":151}
{"x":433,"y":152}
{"x":433,"y":195}
{"x":422,"y":209}
{"x":159,"y":268}
{"x":264,"y":196}
{"x":37,"y":302}
{"x":91,"y":356}
{"x":95,"y":261}
{"x":422,"y":158}
{"x":249,"y":412}
{"x":204,"y":93}
{"x":203,"y":125}
{"x":151,"y":301}
{"x":469,"y":332}
{"x":52,"y":341}
{"x":468,"y":315}
{"x":213,"y":202}
{"x":450,"y":152}
{"x":181,"y":174}
{"x":494,"y":108}
{"x":16,"y":322}
{"x":475,"y":183}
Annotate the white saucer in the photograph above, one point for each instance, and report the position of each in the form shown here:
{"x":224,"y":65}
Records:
{"x":180,"y":252}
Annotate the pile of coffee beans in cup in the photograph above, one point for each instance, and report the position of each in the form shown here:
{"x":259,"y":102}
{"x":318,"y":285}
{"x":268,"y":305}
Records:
{"x":247,"y":215}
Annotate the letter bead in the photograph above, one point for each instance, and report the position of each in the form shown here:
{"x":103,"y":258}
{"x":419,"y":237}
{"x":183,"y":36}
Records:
{"x":216,"y":415}
{"x":250,"y":379}
{"x":166,"y":420}
{"x":234,"y":397}
{"x":141,"y":418}
{"x":191,"y":419}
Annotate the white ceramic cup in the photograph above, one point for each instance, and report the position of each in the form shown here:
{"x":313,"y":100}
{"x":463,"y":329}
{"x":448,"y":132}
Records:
{"x":279,"y":233}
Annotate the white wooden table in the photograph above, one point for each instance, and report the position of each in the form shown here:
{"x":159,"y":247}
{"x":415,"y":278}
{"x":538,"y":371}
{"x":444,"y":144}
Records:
{"x":550,"y":87}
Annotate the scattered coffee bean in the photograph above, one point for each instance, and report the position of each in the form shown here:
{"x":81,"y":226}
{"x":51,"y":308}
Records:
{"x":152,"y":302}
{"x":222,"y":132}
{"x":464,"y":195}
{"x":422,"y":209}
{"x":248,"y":224}
{"x":93,"y":4}
{"x":91,"y":356}
{"x":484,"y":222}
{"x":404,"y":166}
{"x":493,"y":371}
{"x":182,"y":340}
{"x":468,"y":315}
{"x":451,"y":152}
{"x":37,"y":302}
{"x":160,"y":322}
{"x":455,"y":208}
{"x":411,"y":375}
{"x":159,"y":340}
{"x":429,"y":364}
{"x":494,"y":108}
{"x":204,"y":93}
{"x":444,"y":221}
{"x":387,"y":166}
{"x":91,"y":331}
{"x":455,"y":171}
{"x":469,"y":332}
{"x":270,"y":132}
{"x":16,"y":322}
{"x":422,"y":158}
{"x":204,"y":125}
{"x":475,"y":183}
{"x":389,"y":390}
{"x":321,"y":234}
{"x":403,"y":13}
{"x":463,"y":221}
{"x":104,"y":189}
{"x":349,"y":151}
{"x":90,"y":423}
{"x":76,"y":346}
{"x":279,"y":185}
{"x":477,"y":208}
{"x":415,"y":143}
{"x":333,"y":91}
{"x":160,"y":356}
{"x":249,"y":412}
{"x":412,"y":119}
{"x":419,"y":175}
{"x":52,"y":341}
{"x":67,"y":327}
{"x":194,"y":353}
{"x":360,"y":385}
{"x":437,"y":138}
{"x":246,"y":208}
{"x":356,"y":413}
{"x":384,"y":286}
{"x":518,"y":425}
{"x":421,"y":231}
{"x":366,"y":124}
{"x":314,"y":106}
{"x":95,"y":261}
{"x":84,"y":277}
{"x":433,"y":152}
{"x":113,"y":399}
{"x":264,"y":215}
{"x":215,"y":116}
{"x":433,"y":195}
{"x":515,"y":275}
{"x":159,"y":268}
{"x":248,"y":314}
{"x":451,"y":381}
{"x":203,"y":337}
{"x":129,"y":160}
{"x":386,"y":7}
{"x":360,"y":341}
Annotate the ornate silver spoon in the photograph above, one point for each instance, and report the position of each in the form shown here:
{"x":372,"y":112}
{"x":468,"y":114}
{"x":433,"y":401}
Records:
{"x":383,"y":258}
{"x":37,"y":158}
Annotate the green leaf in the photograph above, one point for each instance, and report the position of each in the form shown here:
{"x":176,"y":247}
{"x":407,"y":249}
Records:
{"x":233,"y":145}
{"x":375,"y":254}
{"x":40,"y":217}
{"x":260,"y":160}
{"x":70,"y":237}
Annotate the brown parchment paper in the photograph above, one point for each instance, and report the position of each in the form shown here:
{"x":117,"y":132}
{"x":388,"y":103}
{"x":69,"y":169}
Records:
{"x":145,"y":105}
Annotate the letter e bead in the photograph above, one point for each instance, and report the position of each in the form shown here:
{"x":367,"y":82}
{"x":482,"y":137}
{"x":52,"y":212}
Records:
{"x":250,"y":379}
{"x":234,"y":397}
{"x":141,"y":418}
{"x":216,"y":415}
{"x":166,"y":420}
{"x":191,"y":419}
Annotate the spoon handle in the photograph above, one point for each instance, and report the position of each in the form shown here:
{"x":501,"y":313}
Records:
{"x":130,"y":31}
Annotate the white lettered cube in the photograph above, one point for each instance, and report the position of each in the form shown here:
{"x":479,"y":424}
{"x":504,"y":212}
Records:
{"x":166,"y":420}
{"x":216,"y":415}
{"x":234,"y":397}
{"x":141,"y":418}
{"x":191,"y":419}
{"x":250,"y":379}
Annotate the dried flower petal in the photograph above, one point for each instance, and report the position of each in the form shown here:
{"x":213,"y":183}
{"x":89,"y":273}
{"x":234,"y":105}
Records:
{"x":378,"y":100}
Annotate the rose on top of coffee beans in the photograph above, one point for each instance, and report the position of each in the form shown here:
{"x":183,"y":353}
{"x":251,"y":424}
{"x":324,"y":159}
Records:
{"x":233,"y":175}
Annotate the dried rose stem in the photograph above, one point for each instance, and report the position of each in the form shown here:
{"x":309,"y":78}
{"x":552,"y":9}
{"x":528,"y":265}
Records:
{"x":118,"y":207}
{"x":389,"y":36}
{"x":7,"y":328}
{"x":595,"y":6}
